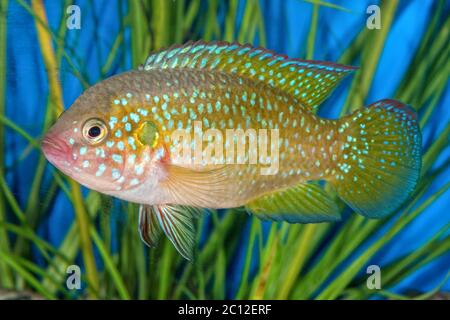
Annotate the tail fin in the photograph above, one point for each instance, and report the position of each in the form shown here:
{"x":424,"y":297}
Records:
{"x":380,"y":158}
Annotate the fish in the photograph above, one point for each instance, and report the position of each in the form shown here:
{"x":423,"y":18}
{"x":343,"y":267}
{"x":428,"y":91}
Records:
{"x":208,"y":125}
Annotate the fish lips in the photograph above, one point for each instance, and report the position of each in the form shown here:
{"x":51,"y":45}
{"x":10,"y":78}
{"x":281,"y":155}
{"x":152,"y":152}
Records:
{"x":57,"y":152}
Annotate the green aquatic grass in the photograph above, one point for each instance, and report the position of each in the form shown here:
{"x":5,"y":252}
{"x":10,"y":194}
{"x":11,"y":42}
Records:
{"x":57,"y":106}
{"x":294,"y":261}
{"x":370,"y":55}
{"x":7,"y":278}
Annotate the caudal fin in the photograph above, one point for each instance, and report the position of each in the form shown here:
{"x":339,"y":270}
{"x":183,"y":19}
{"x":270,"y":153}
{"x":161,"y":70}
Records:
{"x":380,"y":158}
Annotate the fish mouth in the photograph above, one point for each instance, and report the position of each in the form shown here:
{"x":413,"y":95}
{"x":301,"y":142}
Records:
{"x":56,"y":151}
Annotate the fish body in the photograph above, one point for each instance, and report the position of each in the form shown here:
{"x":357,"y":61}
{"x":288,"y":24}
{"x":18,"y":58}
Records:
{"x":218,"y":125}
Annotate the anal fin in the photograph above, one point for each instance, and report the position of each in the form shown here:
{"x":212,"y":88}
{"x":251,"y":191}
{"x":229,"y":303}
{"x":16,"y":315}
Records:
{"x":304,"y":203}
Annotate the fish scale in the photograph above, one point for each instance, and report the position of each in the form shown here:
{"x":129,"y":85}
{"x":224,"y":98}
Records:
{"x":234,"y":108}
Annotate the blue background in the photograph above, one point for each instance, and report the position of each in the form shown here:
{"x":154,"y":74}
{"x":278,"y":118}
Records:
{"x":287,"y":26}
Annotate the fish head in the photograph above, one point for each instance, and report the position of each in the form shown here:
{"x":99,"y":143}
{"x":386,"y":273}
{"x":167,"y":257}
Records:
{"x":98,"y":140}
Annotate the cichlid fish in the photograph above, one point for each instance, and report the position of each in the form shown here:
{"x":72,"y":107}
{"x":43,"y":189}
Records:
{"x":220,"y":125}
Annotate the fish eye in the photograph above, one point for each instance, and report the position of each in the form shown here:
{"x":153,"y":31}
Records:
{"x":94,"y":131}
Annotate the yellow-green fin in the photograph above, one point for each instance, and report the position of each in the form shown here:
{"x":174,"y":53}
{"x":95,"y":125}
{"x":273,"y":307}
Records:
{"x":307,"y":80}
{"x":304,"y":203}
{"x":380,"y":158}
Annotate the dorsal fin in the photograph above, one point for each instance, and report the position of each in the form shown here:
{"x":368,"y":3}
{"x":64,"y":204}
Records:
{"x":308,"y":81}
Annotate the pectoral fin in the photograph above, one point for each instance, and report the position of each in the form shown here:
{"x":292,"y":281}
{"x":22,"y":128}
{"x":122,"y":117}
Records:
{"x":175,"y":221}
{"x":198,"y":186}
{"x":304,"y":203}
